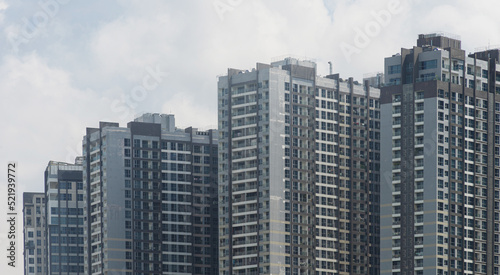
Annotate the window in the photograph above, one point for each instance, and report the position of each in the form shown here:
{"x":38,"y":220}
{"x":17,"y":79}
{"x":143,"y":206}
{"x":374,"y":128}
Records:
{"x":485,"y":87}
{"x":65,"y":197}
{"x":440,"y":238}
{"x":395,"y":81}
{"x":440,"y":195}
{"x":441,"y":116}
{"x":440,"y":127}
{"x":471,"y":83}
{"x":429,"y":64}
{"x":395,"y":69}
{"x":65,"y":185}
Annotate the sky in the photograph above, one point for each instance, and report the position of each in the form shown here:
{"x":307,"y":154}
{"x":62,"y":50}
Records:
{"x":66,"y":65}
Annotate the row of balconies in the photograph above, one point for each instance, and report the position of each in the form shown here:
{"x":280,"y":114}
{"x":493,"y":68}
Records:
{"x":251,"y":110}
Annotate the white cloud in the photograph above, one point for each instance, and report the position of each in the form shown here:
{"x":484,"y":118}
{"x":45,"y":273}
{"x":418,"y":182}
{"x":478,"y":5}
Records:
{"x":3,"y":7}
{"x":35,"y":121}
{"x":75,"y":81}
{"x":45,"y":116}
{"x":187,"y":110}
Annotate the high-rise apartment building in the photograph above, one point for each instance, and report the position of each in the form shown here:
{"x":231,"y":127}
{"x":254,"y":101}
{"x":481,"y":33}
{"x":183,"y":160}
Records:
{"x":151,"y":198}
{"x":53,"y":222}
{"x":298,"y":172}
{"x":34,"y":233}
{"x":440,"y":186}
{"x":64,"y":217}
{"x":374,"y":79}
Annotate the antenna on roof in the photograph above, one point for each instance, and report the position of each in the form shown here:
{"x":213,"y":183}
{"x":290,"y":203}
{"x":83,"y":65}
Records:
{"x":330,"y":63}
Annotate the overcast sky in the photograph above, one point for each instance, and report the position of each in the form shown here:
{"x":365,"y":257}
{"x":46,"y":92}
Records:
{"x":66,"y":65}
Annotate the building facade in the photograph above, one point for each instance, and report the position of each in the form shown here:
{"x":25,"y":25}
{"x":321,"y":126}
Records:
{"x":298,"y":183}
{"x":151,"y":196}
{"x":34,"y":233}
{"x":64,"y":217}
{"x":440,"y":170}
{"x":53,"y":222}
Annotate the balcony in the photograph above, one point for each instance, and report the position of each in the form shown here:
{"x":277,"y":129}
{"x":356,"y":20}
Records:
{"x":244,"y":143}
{"x":247,"y":176}
{"x":245,"y":187}
{"x":252,"y":111}
{"x":238,"y":92}
{"x":243,"y":125}
{"x":243,"y":199}
{"x":243,"y":241}
{"x":245,"y":209}
{"x":245,"y":262}
{"x":245,"y":220}
{"x":241,"y":166}
{"x":244,"y":99}
{"x":243,"y":252}
{"x":245,"y":231}
{"x":242,"y":133}
{"x":427,"y":78}
{"x":244,"y":154}
{"x":419,"y":196}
